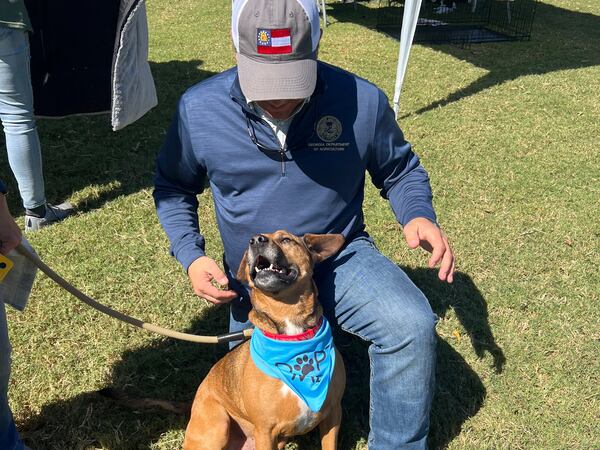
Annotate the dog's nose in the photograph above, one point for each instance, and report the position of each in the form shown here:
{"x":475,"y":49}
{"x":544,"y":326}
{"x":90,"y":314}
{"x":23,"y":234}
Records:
{"x":258,"y":240}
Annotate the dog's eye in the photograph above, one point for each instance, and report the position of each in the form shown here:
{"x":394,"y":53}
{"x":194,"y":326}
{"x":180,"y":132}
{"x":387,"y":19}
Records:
{"x":285,"y":240}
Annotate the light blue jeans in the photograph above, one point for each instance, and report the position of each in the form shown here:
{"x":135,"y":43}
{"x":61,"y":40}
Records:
{"x":9,"y":437}
{"x":368,"y":295}
{"x":16,"y":113}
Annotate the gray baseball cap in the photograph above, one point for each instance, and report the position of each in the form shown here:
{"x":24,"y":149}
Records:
{"x":276,"y":43}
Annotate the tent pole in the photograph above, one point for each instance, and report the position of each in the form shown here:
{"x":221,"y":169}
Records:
{"x":407,"y":33}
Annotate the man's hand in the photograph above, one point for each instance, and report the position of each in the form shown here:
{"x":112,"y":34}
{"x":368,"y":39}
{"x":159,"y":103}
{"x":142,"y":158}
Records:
{"x":10,"y":234}
{"x":202,"y":272}
{"x":424,"y":233}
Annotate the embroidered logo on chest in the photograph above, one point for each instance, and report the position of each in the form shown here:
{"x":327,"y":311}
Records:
{"x":329,"y":128}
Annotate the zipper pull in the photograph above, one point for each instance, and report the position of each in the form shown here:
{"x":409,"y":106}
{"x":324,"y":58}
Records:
{"x":282,"y":154}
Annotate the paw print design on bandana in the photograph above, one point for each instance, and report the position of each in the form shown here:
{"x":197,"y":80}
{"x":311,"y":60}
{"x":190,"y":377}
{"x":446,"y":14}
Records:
{"x":301,"y":366}
{"x":304,"y":366}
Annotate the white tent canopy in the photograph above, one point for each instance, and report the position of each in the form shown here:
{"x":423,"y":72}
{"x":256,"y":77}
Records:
{"x":409,"y":25}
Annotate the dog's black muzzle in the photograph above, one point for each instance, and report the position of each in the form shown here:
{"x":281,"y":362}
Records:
{"x":269,"y":268}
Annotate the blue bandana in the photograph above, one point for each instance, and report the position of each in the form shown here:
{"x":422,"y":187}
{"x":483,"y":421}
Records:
{"x":305,"y":366}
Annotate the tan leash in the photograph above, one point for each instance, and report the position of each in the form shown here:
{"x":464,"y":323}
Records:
{"x":237,"y":336}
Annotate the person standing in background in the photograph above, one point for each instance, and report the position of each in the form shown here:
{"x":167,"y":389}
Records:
{"x":10,"y":237}
{"x":16,"y":114}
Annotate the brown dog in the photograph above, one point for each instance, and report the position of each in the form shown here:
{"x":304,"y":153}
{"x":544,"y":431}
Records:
{"x":236,"y":393}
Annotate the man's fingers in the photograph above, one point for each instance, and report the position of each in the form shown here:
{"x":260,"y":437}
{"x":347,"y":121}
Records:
{"x":217,"y":274}
{"x":446,"y":272}
{"x":10,"y":242}
{"x":411,"y":234}
{"x":213,"y":300}
{"x":203,"y":272}
{"x":208,"y":290}
{"x":439,"y":248}
{"x":451,"y":274}
{"x":446,"y":266}
{"x":221,"y":299}
{"x":424,"y":233}
{"x":221,"y":278}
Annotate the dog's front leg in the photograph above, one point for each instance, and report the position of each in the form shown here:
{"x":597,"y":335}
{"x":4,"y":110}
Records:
{"x":329,"y":429}
{"x":238,"y":439}
{"x":264,"y":440}
{"x":209,"y":425}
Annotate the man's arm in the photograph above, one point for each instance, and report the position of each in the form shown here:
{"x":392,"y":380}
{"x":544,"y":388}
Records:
{"x":179,"y":179}
{"x":397,"y":172}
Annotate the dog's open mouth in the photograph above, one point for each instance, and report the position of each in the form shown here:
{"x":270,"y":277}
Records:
{"x":266,"y":270}
{"x":263,"y":263}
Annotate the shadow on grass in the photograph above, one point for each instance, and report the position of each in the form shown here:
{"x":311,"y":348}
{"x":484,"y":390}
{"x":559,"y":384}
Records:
{"x":172,"y":370}
{"x":166,"y":369}
{"x":561,"y":40}
{"x":463,"y":297}
{"x":79,"y":152}
{"x":459,"y":391}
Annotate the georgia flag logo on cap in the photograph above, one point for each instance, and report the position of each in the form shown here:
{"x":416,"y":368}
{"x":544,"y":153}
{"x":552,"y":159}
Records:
{"x":273,"y":42}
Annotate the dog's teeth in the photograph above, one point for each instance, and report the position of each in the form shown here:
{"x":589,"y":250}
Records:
{"x":272,"y":268}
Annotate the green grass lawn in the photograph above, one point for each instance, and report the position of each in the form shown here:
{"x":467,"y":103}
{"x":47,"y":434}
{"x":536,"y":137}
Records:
{"x":509,"y":134}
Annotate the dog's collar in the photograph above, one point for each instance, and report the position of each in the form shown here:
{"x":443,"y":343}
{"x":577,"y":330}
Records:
{"x":308,"y":334}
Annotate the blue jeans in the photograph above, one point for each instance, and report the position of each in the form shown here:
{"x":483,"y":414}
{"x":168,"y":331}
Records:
{"x":368,"y":295}
{"x":9,"y":437}
{"x":16,"y":113}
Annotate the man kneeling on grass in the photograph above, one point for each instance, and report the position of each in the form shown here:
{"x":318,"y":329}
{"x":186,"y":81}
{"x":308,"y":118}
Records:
{"x":285,"y":141}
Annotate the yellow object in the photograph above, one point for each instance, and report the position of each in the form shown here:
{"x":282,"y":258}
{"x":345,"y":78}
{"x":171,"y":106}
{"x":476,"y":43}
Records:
{"x":457,"y":335}
{"x":5,"y":266}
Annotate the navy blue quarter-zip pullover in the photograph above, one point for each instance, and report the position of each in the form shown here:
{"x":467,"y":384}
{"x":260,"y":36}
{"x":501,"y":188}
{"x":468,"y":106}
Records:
{"x":314,"y":184}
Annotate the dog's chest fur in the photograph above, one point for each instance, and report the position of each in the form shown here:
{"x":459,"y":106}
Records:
{"x":265,"y":397}
{"x":306,"y":419}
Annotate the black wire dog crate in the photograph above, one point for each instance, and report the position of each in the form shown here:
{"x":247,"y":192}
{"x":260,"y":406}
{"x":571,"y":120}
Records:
{"x":462,"y":21}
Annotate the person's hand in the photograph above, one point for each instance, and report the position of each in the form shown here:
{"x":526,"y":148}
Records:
{"x":424,"y":233}
{"x":202,"y":272}
{"x":10,"y":234}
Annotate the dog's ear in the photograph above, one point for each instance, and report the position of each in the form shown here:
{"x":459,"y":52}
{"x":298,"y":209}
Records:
{"x":322,"y":246}
{"x":242,"y":273}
